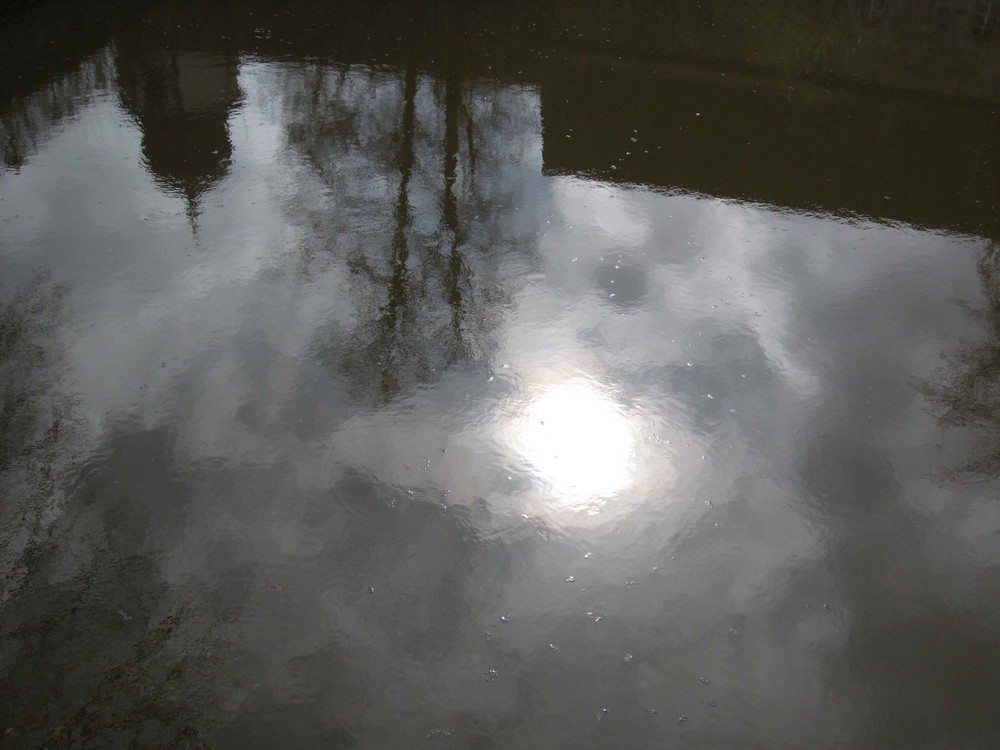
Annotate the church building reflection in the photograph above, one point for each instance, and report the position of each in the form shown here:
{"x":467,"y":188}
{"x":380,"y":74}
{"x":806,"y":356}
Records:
{"x":181,"y":89}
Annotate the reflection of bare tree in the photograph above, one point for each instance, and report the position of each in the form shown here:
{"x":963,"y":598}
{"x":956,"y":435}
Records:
{"x":26,"y":121}
{"x":449,"y":209}
{"x":969,"y":395}
{"x":36,"y":423}
{"x":103,"y":650}
{"x":95,"y":647}
{"x":415,"y":214}
{"x":390,"y":324}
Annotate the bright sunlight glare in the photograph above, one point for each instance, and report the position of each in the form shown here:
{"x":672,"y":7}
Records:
{"x":578,"y":441}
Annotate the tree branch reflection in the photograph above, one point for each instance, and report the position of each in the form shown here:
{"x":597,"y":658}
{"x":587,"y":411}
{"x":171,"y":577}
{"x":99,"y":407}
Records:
{"x":426,"y":260}
{"x":969,"y":394}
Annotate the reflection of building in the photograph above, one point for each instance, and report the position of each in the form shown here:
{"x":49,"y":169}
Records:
{"x":752,"y":137}
{"x":812,"y":139}
{"x":181,"y":95}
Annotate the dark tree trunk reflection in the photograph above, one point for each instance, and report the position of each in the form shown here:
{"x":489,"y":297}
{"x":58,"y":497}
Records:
{"x":456,"y":265}
{"x":395,"y":312}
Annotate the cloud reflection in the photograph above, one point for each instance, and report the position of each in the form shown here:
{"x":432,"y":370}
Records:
{"x":579,"y":444}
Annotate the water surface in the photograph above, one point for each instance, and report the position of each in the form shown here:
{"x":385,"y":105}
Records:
{"x":402,"y":375}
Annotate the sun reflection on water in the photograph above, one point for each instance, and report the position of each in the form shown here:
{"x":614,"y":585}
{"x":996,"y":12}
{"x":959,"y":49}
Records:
{"x":579,"y":444}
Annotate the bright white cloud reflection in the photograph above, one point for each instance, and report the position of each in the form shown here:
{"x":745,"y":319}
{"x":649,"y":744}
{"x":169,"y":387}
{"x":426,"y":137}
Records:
{"x":578,"y":442}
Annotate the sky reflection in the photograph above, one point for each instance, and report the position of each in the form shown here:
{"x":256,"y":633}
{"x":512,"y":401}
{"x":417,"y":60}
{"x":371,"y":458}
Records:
{"x":400,"y":386}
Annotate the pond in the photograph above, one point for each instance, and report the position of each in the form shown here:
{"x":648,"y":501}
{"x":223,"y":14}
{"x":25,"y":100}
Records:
{"x":467,"y":375}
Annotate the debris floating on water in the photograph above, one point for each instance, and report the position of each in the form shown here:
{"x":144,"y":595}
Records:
{"x":440,"y":733}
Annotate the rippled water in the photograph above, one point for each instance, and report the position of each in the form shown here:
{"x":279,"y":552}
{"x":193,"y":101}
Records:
{"x":448,"y":374}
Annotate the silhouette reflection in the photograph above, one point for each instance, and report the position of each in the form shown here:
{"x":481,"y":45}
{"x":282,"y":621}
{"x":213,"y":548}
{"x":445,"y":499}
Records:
{"x":730,"y":101}
{"x":181,"y":90}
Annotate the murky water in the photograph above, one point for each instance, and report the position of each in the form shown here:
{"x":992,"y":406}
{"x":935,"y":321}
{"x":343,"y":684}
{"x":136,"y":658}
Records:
{"x":500,"y":376}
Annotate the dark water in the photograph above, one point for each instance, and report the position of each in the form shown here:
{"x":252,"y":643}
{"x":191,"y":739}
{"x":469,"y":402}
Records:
{"x":485,"y":375}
